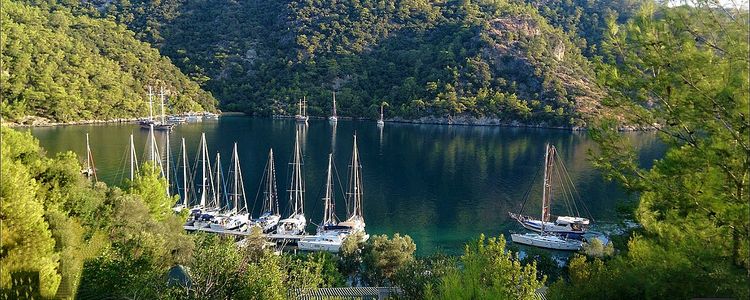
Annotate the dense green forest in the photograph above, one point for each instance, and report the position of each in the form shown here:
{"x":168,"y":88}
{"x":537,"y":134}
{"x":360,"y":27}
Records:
{"x":69,"y":67}
{"x":508,"y":60}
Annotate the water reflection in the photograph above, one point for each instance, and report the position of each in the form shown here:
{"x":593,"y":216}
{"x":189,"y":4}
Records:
{"x":443,"y":185}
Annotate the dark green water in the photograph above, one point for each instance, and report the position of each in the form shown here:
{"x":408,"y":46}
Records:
{"x":442,"y":185}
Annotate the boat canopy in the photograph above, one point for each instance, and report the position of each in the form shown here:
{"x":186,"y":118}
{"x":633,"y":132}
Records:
{"x":563,"y":220}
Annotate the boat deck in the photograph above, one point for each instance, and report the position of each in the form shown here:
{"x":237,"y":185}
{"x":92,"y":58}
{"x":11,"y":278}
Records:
{"x":273,"y":236}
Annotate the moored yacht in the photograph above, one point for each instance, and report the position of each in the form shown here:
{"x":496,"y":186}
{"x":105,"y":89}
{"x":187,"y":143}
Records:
{"x":269,"y":215}
{"x":238,"y":216}
{"x":301,"y":115}
{"x":355,"y":220}
{"x":567,"y":226}
{"x":296,"y":222}
{"x":334,"y":118}
{"x":547,"y":240}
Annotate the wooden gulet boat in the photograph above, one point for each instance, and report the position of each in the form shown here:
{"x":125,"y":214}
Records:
{"x":555,"y":173}
{"x":301,"y":116}
{"x":160,"y":124}
{"x":550,"y":235}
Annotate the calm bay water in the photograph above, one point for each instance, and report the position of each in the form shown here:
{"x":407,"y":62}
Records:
{"x":442,"y":185}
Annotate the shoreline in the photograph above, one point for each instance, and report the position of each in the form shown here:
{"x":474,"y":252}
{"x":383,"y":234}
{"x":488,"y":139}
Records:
{"x":458,"y":121}
{"x":44,"y":122}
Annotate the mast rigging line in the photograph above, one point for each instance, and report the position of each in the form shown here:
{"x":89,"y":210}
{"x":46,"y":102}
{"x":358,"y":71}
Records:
{"x":528,"y":191}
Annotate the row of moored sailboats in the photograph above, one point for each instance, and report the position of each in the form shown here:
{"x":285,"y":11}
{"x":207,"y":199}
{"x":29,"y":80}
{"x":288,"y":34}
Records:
{"x":220,"y":205}
{"x":302,"y":117}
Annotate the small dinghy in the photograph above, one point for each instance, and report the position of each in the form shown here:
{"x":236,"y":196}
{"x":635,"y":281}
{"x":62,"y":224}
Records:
{"x":548,"y":241}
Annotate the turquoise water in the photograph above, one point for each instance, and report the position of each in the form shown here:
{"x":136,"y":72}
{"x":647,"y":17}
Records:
{"x":441,"y":185}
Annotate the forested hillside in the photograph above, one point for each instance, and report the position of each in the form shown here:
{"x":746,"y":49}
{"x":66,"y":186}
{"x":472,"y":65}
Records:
{"x":69,"y":66}
{"x":511,"y":60}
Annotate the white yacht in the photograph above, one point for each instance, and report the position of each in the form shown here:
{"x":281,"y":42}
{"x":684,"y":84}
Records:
{"x":269,"y":216}
{"x":547,"y":240}
{"x":296,"y":222}
{"x":238,"y":216}
{"x":355,"y":221}
{"x":334,"y":118}
{"x":381,"y":121}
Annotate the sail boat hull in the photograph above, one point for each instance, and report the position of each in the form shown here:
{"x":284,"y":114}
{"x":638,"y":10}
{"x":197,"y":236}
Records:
{"x":547,"y":241}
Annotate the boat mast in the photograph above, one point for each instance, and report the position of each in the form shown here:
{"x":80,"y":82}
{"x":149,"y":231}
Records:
{"x":161,"y":95}
{"x":217,"y":190}
{"x":133,"y":158}
{"x":355,"y":182}
{"x":184,"y":175}
{"x":297,"y":189}
{"x":329,"y":211}
{"x":152,"y":144}
{"x":381,"y":112}
{"x":334,"y":103}
{"x":169,"y":183}
{"x":204,"y":155}
{"x":271,"y":187}
{"x":90,"y":167}
{"x":150,"y":104}
{"x":547,"y":189}
{"x":239,"y":186}
{"x":304,"y":106}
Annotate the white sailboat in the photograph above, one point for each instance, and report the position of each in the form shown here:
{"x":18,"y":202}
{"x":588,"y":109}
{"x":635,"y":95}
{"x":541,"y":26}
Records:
{"x":546,"y":238}
{"x":238,"y":216}
{"x":301,"y":116}
{"x":334,"y":118}
{"x":89,"y":170}
{"x":329,"y":236}
{"x":567,"y":226}
{"x":355,"y":220}
{"x":269,"y":214}
{"x":204,"y":212}
{"x":296,"y":222}
{"x":381,"y":121}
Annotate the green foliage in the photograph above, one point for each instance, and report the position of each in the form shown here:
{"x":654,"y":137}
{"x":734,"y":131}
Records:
{"x":489,"y":271}
{"x":152,"y":188}
{"x":382,"y":257}
{"x":417,"y":278}
{"x":596,"y":248}
{"x":70,"y":67}
{"x":479,"y":59}
{"x":685,"y":70}
{"x":27,"y":243}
